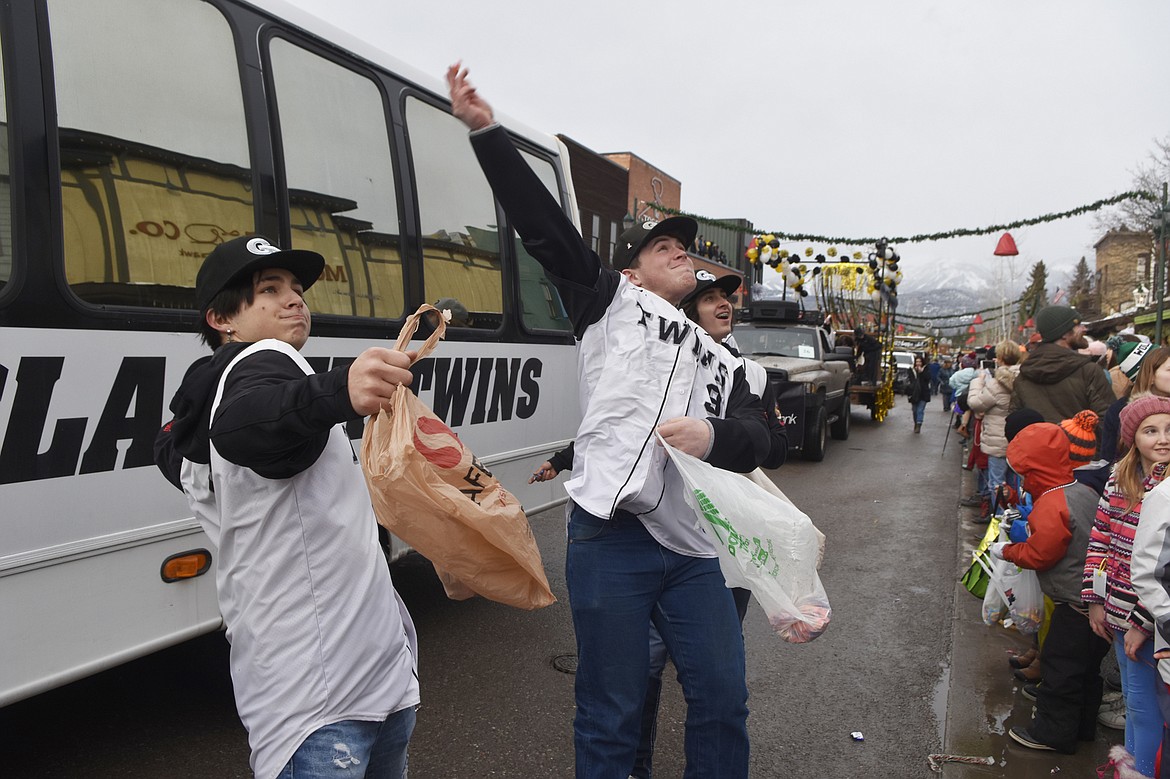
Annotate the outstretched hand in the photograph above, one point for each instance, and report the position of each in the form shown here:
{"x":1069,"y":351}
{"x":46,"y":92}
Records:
{"x":466,"y":104}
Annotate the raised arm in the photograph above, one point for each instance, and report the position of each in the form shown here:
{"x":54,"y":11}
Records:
{"x":586,"y":287}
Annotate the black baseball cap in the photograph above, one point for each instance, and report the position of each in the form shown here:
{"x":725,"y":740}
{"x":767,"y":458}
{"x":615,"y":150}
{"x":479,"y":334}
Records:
{"x":705,"y":279}
{"x":625,"y":251}
{"x":246,"y":255}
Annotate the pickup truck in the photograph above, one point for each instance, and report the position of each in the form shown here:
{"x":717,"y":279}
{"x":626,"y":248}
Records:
{"x":811,"y":377}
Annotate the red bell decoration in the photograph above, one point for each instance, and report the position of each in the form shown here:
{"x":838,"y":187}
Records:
{"x":1006,"y":246}
{"x":1030,"y":323}
{"x":978,"y":319}
{"x":971,"y":340}
{"x":971,"y":329}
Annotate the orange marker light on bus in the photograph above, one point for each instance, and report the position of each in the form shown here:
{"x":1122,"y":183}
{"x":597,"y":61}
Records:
{"x":185,"y":565}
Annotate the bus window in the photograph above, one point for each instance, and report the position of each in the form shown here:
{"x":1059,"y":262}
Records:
{"x":341,"y":191}
{"x":5,"y":190}
{"x":460,"y":237}
{"x":154,"y":153}
{"x":540,"y":303}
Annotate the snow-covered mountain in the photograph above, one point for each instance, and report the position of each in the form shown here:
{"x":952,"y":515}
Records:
{"x":948,"y":287}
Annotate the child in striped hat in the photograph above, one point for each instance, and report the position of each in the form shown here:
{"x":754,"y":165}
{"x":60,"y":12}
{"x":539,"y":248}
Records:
{"x":1082,"y":438}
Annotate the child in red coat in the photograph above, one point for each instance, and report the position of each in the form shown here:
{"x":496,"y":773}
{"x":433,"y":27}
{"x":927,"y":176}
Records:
{"x":1060,"y":523}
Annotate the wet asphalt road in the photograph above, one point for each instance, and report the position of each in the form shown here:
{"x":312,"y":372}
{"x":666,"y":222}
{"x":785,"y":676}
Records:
{"x":906,"y":660}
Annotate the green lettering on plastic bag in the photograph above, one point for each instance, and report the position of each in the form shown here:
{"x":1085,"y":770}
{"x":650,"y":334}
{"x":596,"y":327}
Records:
{"x":735,"y":542}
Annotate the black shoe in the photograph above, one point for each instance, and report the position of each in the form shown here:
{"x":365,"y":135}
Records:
{"x":1024,"y":738}
{"x":971,"y":502}
{"x":1029,"y":691}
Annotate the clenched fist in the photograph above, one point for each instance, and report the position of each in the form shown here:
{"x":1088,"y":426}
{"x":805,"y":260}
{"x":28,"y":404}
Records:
{"x":374,"y":376}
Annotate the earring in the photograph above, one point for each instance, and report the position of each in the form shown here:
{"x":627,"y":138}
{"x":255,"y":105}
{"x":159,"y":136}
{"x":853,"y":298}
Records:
{"x":229,"y":335}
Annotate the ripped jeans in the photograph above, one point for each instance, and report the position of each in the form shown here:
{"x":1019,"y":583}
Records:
{"x":354,"y":749}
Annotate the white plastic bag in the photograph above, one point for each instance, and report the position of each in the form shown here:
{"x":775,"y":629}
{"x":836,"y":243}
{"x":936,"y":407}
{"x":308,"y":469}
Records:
{"x":1019,"y":589}
{"x":765,"y":544}
{"x":994,"y":607}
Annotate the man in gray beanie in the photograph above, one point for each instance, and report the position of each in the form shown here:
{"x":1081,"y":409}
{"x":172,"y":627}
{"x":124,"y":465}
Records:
{"x":1056,"y":380}
{"x":1055,"y":323}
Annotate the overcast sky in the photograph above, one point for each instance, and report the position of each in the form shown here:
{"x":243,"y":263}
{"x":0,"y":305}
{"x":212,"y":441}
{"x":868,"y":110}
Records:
{"x":850,"y":117}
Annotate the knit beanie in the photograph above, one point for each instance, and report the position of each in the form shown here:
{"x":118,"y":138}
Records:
{"x":1129,"y":358}
{"x":1137,"y":410}
{"x":1082,"y":436}
{"x":1019,"y":419}
{"x":967,"y":361}
{"x":1054,"y":321}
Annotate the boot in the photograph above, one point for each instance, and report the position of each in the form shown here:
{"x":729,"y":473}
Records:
{"x":1029,"y":674}
{"x":917,"y":427}
{"x":1023,"y":659}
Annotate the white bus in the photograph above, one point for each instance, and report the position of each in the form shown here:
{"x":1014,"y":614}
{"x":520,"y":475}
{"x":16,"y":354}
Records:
{"x":139,"y":134}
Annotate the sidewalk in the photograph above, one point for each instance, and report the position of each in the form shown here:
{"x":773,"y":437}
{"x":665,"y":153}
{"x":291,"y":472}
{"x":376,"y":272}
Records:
{"x":984,"y":699}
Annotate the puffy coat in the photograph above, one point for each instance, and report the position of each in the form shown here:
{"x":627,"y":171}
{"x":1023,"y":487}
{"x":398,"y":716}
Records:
{"x":961,"y":379}
{"x":991,"y":396}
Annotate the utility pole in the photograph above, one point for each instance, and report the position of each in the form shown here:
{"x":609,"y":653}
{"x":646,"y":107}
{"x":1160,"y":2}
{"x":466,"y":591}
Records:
{"x":1160,"y":271}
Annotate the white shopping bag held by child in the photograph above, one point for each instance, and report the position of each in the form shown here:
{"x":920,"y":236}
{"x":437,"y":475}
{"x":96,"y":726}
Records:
{"x":765,"y":544}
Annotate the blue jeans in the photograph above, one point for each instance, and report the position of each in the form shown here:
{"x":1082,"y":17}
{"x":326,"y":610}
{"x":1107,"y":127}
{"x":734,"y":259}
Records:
{"x":920,"y":411}
{"x":355,"y":749}
{"x":1143,"y":718}
{"x":644,"y":758}
{"x":620,"y":582}
{"x":996,"y":475}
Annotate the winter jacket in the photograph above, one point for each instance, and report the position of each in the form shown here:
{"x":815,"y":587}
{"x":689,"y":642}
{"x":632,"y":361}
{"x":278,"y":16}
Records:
{"x":1058,"y":382}
{"x":961,"y":379}
{"x":944,"y":380}
{"x":1062,"y":512}
{"x":919,"y":387}
{"x":1111,"y":545}
{"x":1150,"y":566}
{"x":991,"y":396}
{"x":1119,"y":382}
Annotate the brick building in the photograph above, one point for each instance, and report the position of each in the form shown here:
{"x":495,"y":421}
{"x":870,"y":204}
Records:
{"x":601,"y":187}
{"x":613,"y":189}
{"x":1123,"y":266}
{"x":646,"y":186}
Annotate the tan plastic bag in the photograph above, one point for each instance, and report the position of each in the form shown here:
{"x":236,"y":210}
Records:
{"x":428,"y":489}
